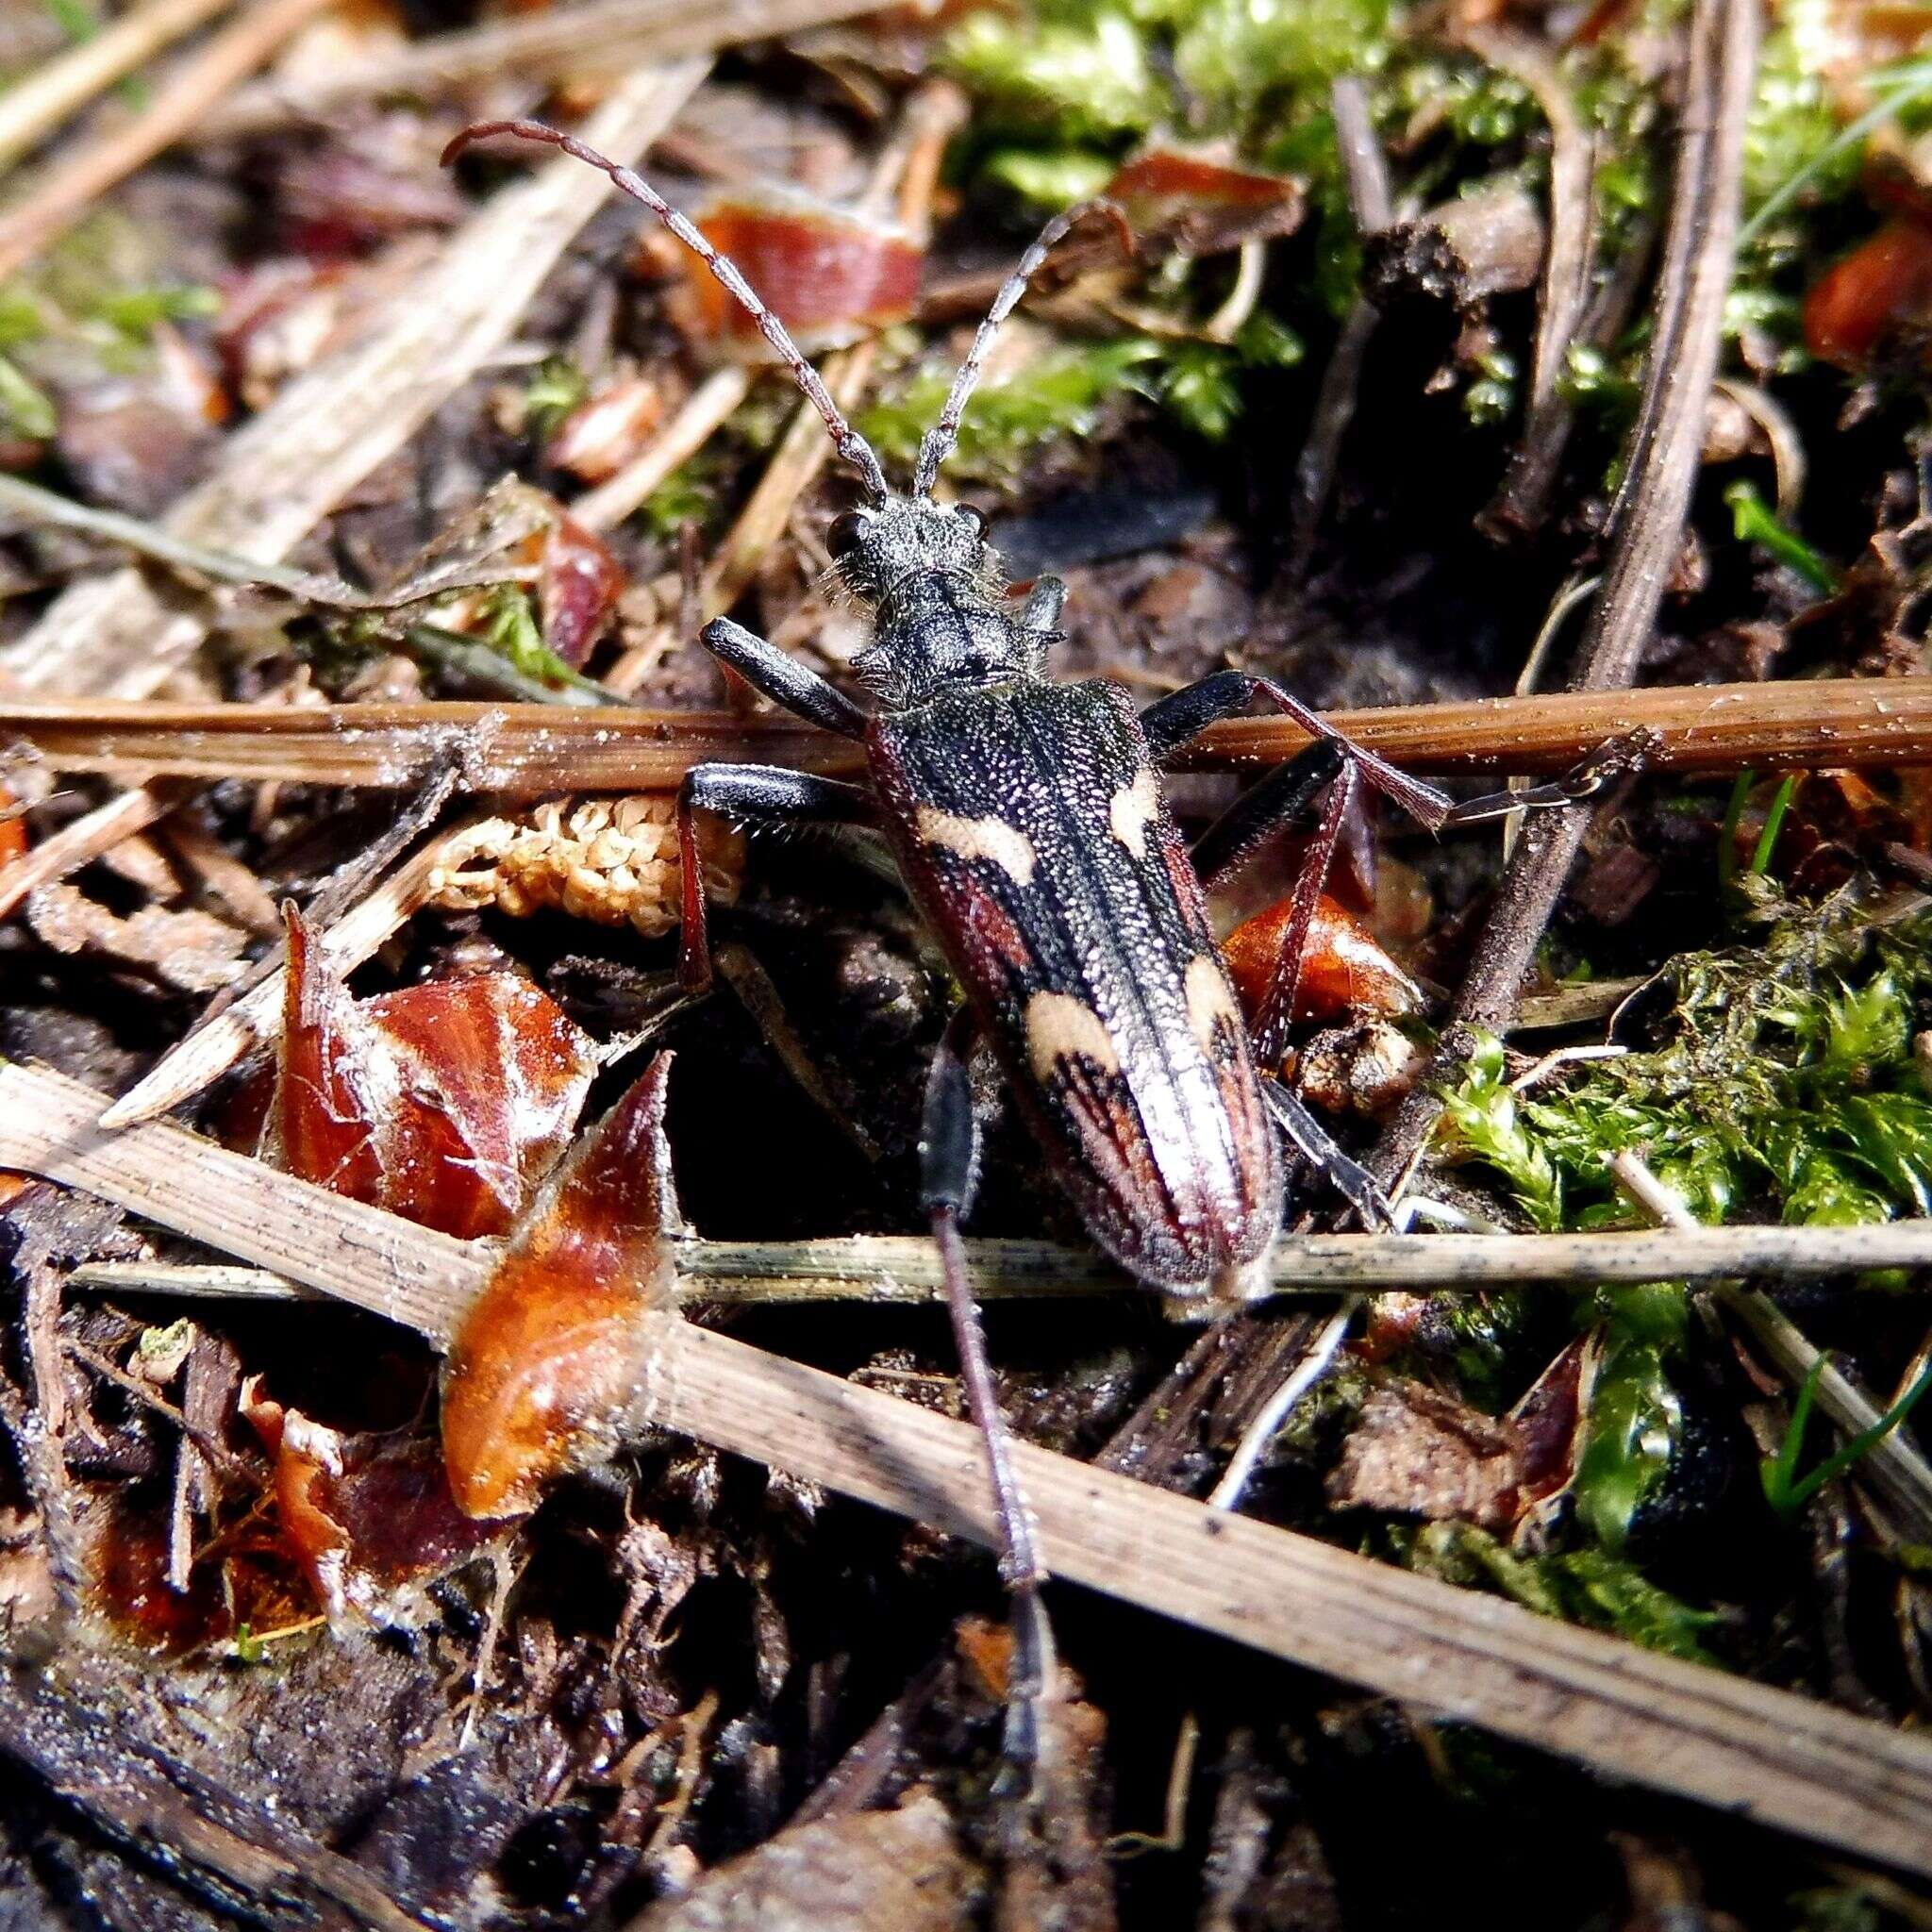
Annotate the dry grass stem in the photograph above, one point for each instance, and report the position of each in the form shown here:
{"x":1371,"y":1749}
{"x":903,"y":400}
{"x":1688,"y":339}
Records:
{"x":902,"y":1269}
{"x":61,"y":195}
{"x":1783,"y":1759}
{"x":32,"y":108}
{"x":533,"y":47}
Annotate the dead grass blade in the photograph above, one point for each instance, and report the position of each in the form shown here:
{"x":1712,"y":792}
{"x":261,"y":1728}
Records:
{"x":62,"y":194}
{"x":1783,"y":1759}
{"x":901,"y":1269}
{"x":285,"y":471}
{"x":539,"y":750}
{"x":533,"y":47}
{"x":33,"y":106}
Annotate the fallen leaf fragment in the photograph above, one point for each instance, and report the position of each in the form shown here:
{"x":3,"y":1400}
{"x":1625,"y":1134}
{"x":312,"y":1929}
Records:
{"x":830,"y":275}
{"x":444,"y":1103}
{"x":367,"y":1515}
{"x":856,"y":1872}
{"x":1199,"y":201}
{"x":557,"y":1344}
{"x":1417,"y":1452}
{"x":1345,"y":970}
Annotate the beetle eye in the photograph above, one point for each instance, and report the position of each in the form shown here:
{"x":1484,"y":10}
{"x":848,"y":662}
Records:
{"x":975,"y":516}
{"x":848,"y":528}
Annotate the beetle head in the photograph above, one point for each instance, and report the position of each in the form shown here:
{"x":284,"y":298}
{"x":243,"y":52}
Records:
{"x":876,"y":548}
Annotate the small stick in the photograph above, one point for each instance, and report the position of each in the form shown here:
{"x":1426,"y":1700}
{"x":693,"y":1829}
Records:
{"x":1892,"y":1465}
{"x":1648,"y":522}
{"x":1787,"y":1761}
{"x":86,"y":839}
{"x":31,"y":109}
{"x":1371,"y":200}
{"x":1562,"y":298}
{"x":62,"y":194}
{"x":533,"y":751}
{"x":902,"y":1270}
{"x":532,"y":48}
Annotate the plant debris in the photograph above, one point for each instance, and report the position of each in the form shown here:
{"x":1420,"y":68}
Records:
{"x":1512,"y":385}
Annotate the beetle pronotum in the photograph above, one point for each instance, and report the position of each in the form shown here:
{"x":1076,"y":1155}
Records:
{"x":1029,"y":825}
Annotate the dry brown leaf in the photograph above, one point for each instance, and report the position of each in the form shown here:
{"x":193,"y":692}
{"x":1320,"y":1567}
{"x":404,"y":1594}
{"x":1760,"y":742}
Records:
{"x":1420,"y":1453}
{"x":901,"y":1868}
{"x":181,"y":948}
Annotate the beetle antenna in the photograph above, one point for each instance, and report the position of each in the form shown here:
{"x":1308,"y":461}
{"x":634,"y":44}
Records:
{"x":940,"y":438}
{"x":851,"y":445}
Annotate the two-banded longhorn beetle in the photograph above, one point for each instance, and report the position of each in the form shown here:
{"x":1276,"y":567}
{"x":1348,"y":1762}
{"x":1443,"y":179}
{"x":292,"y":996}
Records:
{"x":1028,"y":822}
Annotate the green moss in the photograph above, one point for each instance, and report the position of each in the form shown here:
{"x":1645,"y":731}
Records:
{"x":1585,"y":1587}
{"x":1059,"y":394}
{"x":1070,"y":81}
{"x":1787,"y":1088}
{"x":1235,"y":57}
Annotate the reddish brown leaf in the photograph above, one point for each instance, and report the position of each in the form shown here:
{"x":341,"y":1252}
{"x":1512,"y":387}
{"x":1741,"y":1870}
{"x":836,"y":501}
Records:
{"x":444,"y":1102}
{"x":829,"y":274}
{"x":1863,"y":302}
{"x":578,"y":584}
{"x":1345,"y":969}
{"x":1199,"y":202}
{"x":365,"y":1515}
{"x":554,"y":1346}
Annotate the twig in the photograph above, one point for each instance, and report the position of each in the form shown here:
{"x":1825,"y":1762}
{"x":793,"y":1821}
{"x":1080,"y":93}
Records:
{"x":62,"y":194}
{"x":532,"y":48}
{"x":537,"y":751}
{"x":902,"y":1270}
{"x":33,"y":108}
{"x":1567,"y":265}
{"x":83,"y":841}
{"x":329,"y":428}
{"x":1372,"y":203}
{"x":1648,"y":522}
{"x":149,"y":1398}
{"x":1785,"y":1760}
{"x":1894,"y":1465}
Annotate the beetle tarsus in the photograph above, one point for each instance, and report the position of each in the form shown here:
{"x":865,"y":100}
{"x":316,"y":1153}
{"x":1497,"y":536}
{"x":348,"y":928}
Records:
{"x":1316,"y":1145}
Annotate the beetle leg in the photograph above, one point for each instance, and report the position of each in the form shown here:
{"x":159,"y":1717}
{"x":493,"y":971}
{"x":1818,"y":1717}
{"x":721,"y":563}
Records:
{"x":760,"y":792}
{"x":1041,"y":612}
{"x":948,"y":1158}
{"x":781,"y":677}
{"x":1265,"y":807}
{"x":1617,"y":760}
{"x":1175,"y":721}
{"x":1316,"y":1145}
